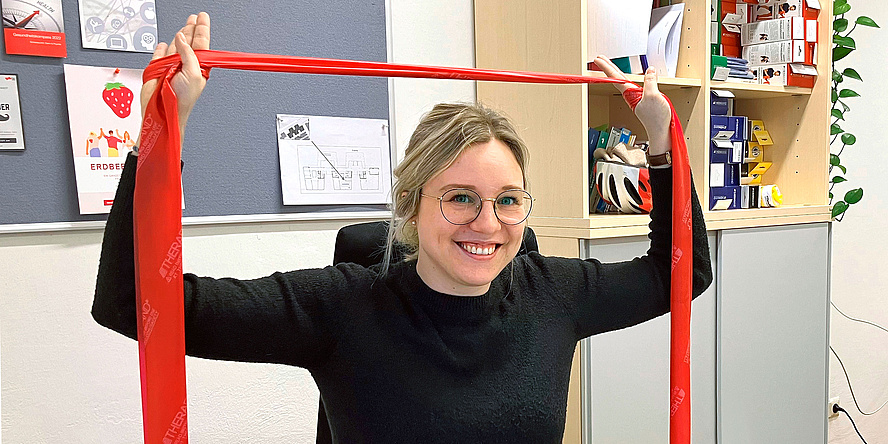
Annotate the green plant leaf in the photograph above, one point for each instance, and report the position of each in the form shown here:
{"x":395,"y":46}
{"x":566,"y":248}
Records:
{"x":837,"y":77}
{"x":840,"y":52}
{"x":840,"y":25}
{"x":841,"y":167}
{"x":839,"y":208}
{"x":849,"y":139}
{"x":850,"y":72}
{"x":848,"y":93}
{"x":835,"y":129}
{"x":866,"y":21}
{"x":834,"y":160}
{"x":838,"y":114}
{"x":830,"y":195}
{"x":854,"y":196}
{"x":841,"y":9}
{"x":839,"y":2}
{"x":838,"y":179}
{"x":844,"y":41}
{"x":835,"y":96}
{"x":845,"y":108}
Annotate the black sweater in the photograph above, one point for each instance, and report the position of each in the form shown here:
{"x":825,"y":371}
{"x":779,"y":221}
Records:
{"x":396,"y":361}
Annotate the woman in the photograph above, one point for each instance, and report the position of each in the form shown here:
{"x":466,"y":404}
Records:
{"x":464,"y":341}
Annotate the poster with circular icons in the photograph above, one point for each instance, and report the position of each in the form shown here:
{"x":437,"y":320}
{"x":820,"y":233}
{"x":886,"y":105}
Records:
{"x":34,"y":27}
{"x":118,"y":25}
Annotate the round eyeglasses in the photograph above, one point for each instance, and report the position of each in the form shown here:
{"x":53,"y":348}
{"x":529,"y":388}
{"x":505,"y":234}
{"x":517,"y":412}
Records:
{"x":462,"y":206}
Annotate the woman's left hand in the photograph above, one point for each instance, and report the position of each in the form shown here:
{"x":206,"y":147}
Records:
{"x":653,"y":110}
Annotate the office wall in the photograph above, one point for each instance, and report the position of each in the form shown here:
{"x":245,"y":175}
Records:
{"x":65,"y":379}
{"x":860,"y":241}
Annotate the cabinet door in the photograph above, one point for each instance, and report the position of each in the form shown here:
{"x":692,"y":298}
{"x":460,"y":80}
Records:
{"x":625,"y":373}
{"x":773,"y":312}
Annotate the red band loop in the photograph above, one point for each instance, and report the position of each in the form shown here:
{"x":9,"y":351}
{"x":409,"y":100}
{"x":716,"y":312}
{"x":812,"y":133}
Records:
{"x":158,"y":228}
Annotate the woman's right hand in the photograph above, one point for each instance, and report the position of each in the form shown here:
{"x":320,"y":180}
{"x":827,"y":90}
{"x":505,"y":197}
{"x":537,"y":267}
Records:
{"x":188,"y":83}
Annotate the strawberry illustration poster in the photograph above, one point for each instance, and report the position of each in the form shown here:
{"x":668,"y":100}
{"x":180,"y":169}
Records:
{"x":34,"y":27}
{"x":104,"y":114}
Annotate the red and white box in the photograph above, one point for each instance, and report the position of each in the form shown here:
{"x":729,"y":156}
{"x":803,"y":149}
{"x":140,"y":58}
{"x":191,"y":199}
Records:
{"x":763,"y":10}
{"x":808,"y":9}
{"x":789,"y":51}
{"x":786,"y":74}
{"x":801,"y":75}
{"x":790,"y":28}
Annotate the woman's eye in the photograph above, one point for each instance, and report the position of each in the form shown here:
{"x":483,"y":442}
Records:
{"x":508,"y":200}
{"x":462,"y":198}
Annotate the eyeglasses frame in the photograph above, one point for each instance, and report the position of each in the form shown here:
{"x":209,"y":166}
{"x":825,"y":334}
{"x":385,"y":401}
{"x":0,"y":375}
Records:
{"x":440,"y":200}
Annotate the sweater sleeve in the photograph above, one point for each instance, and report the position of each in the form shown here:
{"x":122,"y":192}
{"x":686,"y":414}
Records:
{"x":619,"y":295}
{"x":288,"y":318}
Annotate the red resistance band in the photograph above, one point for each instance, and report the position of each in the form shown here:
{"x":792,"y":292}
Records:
{"x":157,"y":225}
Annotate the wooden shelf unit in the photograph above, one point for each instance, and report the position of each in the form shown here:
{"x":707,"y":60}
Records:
{"x":550,"y":36}
{"x":553,"y":119}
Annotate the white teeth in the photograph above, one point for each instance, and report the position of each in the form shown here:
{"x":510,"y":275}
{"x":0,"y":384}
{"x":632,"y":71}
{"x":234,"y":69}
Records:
{"x":480,"y":251}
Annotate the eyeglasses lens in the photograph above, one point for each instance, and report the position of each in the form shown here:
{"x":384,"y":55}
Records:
{"x":460,"y":206}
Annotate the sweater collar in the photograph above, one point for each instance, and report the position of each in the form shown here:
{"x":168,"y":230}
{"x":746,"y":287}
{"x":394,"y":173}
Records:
{"x":456,"y":308}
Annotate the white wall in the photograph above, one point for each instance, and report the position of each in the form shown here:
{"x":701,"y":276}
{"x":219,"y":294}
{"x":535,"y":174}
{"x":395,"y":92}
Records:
{"x":860,"y":242}
{"x":66,"y":379}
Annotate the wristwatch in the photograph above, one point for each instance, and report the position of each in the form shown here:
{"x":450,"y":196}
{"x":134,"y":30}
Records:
{"x":660,"y":159}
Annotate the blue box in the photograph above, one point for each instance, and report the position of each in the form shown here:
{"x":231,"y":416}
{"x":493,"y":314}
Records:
{"x":720,"y":155}
{"x":737,"y":125}
{"x":721,"y":193}
{"x":732,"y":174}
{"x":721,"y":103}
{"x":740,"y":126}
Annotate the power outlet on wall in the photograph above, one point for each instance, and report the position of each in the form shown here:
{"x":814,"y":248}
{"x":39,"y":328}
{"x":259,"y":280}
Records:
{"x":830,"y":413}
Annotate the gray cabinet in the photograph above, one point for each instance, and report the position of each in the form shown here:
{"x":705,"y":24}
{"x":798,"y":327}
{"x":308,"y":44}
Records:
{"x":758,"y":347}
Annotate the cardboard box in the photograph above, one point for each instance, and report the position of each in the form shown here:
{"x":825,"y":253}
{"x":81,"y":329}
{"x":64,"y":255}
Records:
{"x":724,"y":198}
{"x":762,"y":11}
{"x":749,"y":196}
{"x":751,"y":174}
{"x":724,"y":174}
{"x":774,"y":74}
{"x":753,"y":152}
{"x":721,"y":103}
{"x":808,"y":9}
{"x":736,"y":125}
{"x":803,"y":76}
{"x":719,"y":155}
{"x":790,"y":28}
{"x":789,"y":51}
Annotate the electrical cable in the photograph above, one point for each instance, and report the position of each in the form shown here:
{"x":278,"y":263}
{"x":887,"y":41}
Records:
{"x":852,"y":389}
{"x":837,"y":409}
{"x":857,"y":320}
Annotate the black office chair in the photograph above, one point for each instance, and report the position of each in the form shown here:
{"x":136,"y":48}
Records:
{"x":364,"y":244}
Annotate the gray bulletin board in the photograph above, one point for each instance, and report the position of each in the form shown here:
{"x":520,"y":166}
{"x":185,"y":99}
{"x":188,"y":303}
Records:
{"x":230,"y":147}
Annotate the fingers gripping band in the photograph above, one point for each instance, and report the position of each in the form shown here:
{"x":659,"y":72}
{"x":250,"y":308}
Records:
{"x":157,"y":225}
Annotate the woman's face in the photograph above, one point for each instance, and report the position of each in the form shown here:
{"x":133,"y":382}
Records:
{"x":444,"y":263}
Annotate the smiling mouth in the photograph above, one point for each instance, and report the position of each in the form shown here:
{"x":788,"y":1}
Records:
{"x":479,"y":249}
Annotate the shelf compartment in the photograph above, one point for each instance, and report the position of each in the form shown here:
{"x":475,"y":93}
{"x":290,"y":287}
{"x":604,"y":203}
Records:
{"x":665,"y":84}
{"x":598,"y":226}
{"x":752,"y":91}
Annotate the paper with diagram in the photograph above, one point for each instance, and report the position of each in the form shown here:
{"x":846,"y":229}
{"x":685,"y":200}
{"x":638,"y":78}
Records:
{"x":118,"y":25}
{"x":334,"y":160}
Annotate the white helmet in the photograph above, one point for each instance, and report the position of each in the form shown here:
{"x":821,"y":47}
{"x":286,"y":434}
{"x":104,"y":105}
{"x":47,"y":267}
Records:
{"x":624,"y":186}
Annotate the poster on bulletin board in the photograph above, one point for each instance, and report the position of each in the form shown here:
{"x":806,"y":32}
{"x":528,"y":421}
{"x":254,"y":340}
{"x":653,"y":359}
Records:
{"x":34,"y":27}
{"x":12,"y":136}
{"x":105,"y":117}
{"x":118,"y":25}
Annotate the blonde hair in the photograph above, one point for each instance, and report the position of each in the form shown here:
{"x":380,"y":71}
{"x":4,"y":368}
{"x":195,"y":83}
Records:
{"x":440,"y":137}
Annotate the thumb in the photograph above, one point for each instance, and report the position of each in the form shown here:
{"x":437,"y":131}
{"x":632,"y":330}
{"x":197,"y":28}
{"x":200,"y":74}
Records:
{"x":650,"y":82}
{"x":190,"y":64}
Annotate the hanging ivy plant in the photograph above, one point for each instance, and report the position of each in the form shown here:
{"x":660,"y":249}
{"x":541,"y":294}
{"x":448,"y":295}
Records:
{"x":842,"y":45}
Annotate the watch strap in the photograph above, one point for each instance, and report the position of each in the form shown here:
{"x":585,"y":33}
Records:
{"x":660,"y":159}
